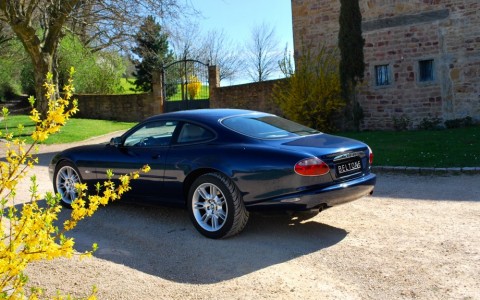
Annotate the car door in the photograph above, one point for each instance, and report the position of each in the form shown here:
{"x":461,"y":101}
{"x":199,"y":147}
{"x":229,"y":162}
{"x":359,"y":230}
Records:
{"x":148,"y":143}
{"x":188,"y":152}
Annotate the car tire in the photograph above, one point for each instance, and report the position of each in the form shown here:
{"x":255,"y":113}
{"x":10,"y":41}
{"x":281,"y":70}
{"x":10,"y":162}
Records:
{"x":64,"y":180}
{"x":216,"y":206}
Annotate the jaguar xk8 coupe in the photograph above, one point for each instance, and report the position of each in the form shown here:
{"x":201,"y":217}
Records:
{"x":222,"y":163}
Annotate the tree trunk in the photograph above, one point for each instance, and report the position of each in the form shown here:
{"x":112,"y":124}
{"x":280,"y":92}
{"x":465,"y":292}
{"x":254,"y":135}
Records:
{"x":42,"y":60}
{"x":42,"y":49}
{"x":42,"y":66}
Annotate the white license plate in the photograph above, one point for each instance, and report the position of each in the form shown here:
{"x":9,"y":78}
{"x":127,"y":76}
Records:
{"x":349,"y":167}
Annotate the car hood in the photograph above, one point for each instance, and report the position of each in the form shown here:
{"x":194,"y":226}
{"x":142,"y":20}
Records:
{"x":86,"y":148}
{"x":80,"y":152}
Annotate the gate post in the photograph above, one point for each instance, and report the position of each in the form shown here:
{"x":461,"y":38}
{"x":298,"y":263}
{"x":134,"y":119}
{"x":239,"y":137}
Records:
{"x":213,"y":83}
{"x":157,"y":92}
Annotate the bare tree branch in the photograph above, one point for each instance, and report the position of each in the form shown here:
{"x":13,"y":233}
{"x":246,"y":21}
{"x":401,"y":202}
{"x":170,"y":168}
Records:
{"x":219,"y":50}
{"x":105,"y":23}
{"x":262,"y":53}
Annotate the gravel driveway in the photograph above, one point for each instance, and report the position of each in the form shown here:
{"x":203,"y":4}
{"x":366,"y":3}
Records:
{"x":416,"y":237}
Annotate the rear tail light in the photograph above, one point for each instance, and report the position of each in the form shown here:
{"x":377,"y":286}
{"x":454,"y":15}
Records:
{"x":311,"y":167}
{"x":370,"y":156}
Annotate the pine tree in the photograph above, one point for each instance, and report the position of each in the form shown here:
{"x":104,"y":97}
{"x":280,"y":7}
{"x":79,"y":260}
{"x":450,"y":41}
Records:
{"x":352,"y":65}
{"x":152,"y":51}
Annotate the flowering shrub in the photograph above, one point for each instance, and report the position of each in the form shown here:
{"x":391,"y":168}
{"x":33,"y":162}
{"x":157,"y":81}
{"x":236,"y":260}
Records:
{"x":311,"y":95}
{"x":193,"y":87}
{"x":28,"y":230}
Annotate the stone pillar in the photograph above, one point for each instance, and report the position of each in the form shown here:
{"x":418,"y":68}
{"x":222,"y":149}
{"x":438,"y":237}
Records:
{"x":157,"y":93}
{"x":213,"y":83}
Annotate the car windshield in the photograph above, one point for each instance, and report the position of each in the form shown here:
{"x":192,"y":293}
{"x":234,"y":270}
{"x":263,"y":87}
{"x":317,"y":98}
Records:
{"x":266,"y":127}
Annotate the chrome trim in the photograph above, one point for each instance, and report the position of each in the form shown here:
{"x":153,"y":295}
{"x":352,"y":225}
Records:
{"x":349,"y":155}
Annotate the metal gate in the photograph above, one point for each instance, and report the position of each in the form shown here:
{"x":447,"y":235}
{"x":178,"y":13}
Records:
{"x":185,"y":85}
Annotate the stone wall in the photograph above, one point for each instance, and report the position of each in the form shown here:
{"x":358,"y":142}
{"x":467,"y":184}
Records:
{"x":254,"y":96}
{"x":400,"y":33}
{"x":128,"y":108}
{"x":136,"y":107}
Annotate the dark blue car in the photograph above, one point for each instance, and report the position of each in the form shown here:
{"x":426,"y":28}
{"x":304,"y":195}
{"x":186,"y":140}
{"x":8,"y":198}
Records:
{"x":222,"y":163}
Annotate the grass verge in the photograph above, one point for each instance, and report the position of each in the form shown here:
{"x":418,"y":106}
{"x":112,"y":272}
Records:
{"x":458,"y":147}
{"x":75,"y":129}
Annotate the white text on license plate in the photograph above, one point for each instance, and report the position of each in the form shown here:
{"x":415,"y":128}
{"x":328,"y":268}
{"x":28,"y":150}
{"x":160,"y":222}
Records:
{"x":349,"y":167}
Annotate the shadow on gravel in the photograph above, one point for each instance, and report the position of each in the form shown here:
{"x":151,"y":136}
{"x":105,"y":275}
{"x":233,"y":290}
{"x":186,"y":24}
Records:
{"x":45,"y":158}
{"x":163,"y":242}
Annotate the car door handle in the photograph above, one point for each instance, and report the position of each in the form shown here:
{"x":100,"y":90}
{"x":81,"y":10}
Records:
{"x":156,"y":156}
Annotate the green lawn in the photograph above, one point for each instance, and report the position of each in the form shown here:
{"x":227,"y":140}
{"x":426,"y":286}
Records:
{"x":439,"y":148}
{"x":203,"y":93}
{"x":127,"y":86}
{"x":74,"y":130}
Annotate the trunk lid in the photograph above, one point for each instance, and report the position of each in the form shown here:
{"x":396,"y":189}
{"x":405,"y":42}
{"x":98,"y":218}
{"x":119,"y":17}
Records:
{"x":346,"y":158}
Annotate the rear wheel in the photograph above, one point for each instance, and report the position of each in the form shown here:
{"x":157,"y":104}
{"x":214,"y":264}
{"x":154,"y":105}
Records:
{"x":65,"y":178}
{"x":216,"y":206}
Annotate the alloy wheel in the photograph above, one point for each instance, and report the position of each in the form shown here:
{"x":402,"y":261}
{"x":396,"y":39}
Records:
{"x":66,"y":179}
{"x":209,"y":207}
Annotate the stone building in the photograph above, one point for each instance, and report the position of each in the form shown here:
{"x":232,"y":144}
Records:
{"x":422,"y":56}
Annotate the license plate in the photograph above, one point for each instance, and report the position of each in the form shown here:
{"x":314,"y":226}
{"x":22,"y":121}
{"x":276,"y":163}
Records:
{"x":348,"y":168}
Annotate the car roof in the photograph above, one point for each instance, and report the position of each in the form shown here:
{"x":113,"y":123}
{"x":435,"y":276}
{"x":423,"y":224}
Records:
{"x":205,"y":115}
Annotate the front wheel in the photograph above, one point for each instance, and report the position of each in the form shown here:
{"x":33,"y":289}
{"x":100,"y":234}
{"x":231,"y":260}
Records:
{"x":64,"y":181}
{"x":216,"y":206}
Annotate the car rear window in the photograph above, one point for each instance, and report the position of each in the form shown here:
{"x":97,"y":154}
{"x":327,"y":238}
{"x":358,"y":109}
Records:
{"x":266,"y":126}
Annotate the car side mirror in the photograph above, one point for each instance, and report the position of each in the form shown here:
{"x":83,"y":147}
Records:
{"x":116,"y":141}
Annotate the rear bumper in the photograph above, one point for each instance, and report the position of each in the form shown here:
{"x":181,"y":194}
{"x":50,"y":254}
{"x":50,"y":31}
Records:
{"x":320,"y":198}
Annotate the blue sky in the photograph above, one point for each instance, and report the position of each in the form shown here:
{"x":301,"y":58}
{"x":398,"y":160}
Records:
{"x":238,"y":17}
